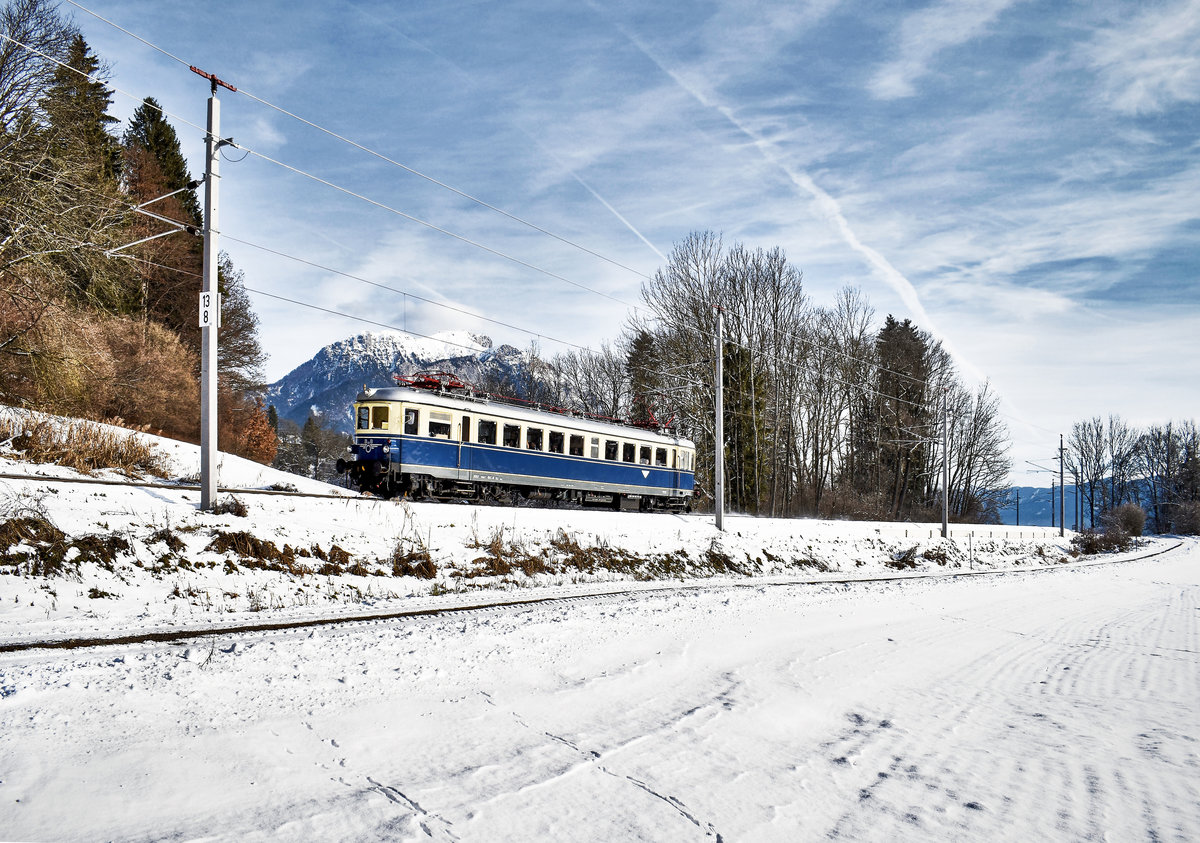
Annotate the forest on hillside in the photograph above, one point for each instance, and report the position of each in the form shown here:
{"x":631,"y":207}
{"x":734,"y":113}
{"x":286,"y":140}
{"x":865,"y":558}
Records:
{"x":89,"y":326}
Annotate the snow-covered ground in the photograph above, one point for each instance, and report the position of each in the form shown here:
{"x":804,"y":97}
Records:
{"x":760,"y":701}
{"x":1058,"y":705}
{"x":172,"y":565}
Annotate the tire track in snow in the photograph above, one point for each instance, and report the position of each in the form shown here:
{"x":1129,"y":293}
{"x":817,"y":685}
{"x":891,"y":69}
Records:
{"x":1055,"y":682}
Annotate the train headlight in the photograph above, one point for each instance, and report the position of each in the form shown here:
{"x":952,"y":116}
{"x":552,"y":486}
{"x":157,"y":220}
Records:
{"x":386,"y":450}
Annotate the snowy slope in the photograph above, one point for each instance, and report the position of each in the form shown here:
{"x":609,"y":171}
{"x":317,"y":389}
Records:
{"x":171,"y":569}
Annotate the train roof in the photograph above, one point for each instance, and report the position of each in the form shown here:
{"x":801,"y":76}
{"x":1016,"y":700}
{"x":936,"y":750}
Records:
{"x":498,"y":407}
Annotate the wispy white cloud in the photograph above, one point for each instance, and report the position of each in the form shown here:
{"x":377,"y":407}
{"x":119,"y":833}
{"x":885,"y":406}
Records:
{"x":928,"y":32}
{"x":828,"y":207}
{"x":1150,"y":61}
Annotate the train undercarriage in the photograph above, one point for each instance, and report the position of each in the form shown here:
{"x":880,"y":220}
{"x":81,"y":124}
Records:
{"x":424,"y":487}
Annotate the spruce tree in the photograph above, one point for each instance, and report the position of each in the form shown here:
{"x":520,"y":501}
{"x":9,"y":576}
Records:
{"x":745,"y":426}
{"x":643,"y":380}
{"x":150,"y":130}
{"x":76,"y":109}
{"x":905,"y":415}
{"x":239,"y":352}
{"x":75,"y":172}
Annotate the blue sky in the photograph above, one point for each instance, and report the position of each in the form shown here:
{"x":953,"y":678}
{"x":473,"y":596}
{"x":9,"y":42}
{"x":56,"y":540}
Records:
{"x":1020,"y":178}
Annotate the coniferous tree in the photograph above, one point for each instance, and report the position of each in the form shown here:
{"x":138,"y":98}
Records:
{"x":903,"y":353}
{"x":641,"y":365}
{"x":745,"y":415}
{"x":240,"y":356}
{"x":81,"y":162}
{"x":76,"y":109}
{"x":168,"y":267}
{"x":149,"y":130}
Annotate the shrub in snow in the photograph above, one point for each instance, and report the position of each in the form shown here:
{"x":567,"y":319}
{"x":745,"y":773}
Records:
{"x":230,"y":506}
{"x":1129,"y":518}
{"x":1090,"y":542}
{"x":1187,"y":521}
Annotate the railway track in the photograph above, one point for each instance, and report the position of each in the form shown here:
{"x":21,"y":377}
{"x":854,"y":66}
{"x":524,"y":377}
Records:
{"x":168,"y":636}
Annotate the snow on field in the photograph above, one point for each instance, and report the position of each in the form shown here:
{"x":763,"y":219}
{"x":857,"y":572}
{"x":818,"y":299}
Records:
{"x":170,"y":569}
{"x":760,"y":700}
{"x":1055,"y":705}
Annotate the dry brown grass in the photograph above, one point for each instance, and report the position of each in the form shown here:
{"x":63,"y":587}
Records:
{"x":31,"y":545}
{"x":84,"y":446}
{"x":413,"y":561}
{"x":256,"y":553}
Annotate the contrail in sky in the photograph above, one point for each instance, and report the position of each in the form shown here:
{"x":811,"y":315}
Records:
{"x":617,"y":214}
{"x":592,"y":191}
{"x":471,"y":81}
{"x":829,"y":206}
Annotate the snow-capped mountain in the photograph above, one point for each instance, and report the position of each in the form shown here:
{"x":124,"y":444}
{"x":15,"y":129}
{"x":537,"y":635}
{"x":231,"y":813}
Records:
{"x":328,"y":383}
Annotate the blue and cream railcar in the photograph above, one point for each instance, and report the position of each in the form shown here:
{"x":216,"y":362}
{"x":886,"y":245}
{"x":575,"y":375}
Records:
{"x":437,"y":444}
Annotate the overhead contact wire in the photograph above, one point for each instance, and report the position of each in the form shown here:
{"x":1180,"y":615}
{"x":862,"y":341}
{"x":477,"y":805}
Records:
{"x":381,"y":156}
{"x":432,"y":226}
{"x":412,"y":218}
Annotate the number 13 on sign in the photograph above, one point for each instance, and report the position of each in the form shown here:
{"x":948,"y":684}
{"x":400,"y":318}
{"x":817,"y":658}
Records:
{"x":210,"y":310}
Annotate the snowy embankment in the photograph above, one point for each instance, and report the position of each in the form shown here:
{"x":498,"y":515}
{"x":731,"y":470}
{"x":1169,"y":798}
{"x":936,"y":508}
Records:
{"x":1055,"y":706}
{"x":1056,"y":702}
{"x":94,"y":559}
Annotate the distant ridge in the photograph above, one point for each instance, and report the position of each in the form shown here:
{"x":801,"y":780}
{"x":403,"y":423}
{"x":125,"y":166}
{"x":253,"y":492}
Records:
{"x":328,"y":383}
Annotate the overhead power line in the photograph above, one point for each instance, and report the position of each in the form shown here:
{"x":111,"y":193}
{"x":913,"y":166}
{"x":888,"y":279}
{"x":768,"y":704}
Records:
{"x":382,"y":157}
{"x":699,"y":332}
{"x":462,"y":310}
{"x":461,"y":238}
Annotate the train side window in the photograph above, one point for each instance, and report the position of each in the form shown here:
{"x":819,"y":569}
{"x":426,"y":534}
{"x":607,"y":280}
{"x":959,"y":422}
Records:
{"x":512,"y":436}
{"x":660,"y":456}
{"x":556,"y":442}
{"x":487,"y":432}
{"x":644,"y":455}
{"x":466,"y":429}
{"x":629,"y":452}
{"x":610,"y":449}
{"x":364,"y":418}
{"x":576,"y":446}
{"x":439,"y":425}
{"x":595,"y":447}
{"x":533,"y":438}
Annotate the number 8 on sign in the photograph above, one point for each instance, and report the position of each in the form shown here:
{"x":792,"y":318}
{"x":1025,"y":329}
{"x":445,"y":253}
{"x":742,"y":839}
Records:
{"x":210,"y":309}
